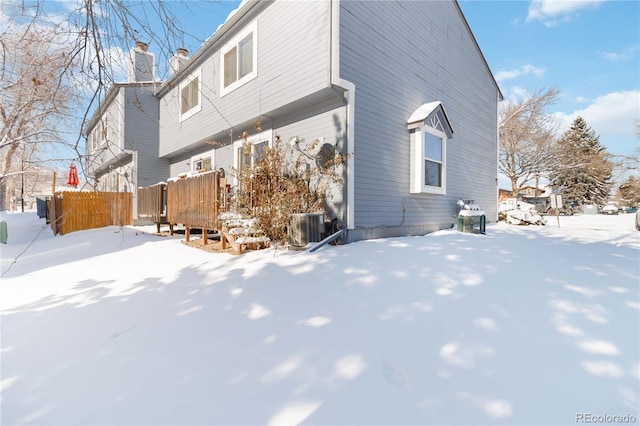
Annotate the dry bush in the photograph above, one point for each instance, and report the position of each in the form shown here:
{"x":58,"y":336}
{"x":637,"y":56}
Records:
{"x":284,"y":180}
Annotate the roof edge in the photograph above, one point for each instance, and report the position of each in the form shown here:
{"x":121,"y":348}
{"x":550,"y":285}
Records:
{"x":209,"y":44}
{"x":473,"y":37}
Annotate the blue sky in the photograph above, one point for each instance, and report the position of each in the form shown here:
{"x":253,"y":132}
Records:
{"x":588,"y":49}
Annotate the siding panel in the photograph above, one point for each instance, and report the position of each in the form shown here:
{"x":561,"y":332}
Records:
{"x":141,"y":135}
{"x":283,"y":27}
{"x":432,"y":58}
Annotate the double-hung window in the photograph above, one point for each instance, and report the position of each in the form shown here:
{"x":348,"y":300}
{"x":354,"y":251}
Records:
{"x":238,"y":59}
{"x":434,"y":150}
{"x":190,"y":96}
{"x":247,"y":151}
{"x":429,"y":129}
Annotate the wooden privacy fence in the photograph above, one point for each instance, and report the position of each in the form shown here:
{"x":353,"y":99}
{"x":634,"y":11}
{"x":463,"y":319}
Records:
{"x":152,"y":204}
{"x":196,"y":201}
{"x":76,"y":211}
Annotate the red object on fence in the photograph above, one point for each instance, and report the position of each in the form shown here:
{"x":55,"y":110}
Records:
{"x":72,"y":179}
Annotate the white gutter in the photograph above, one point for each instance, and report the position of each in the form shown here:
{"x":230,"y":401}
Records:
{"x":350,"y":93}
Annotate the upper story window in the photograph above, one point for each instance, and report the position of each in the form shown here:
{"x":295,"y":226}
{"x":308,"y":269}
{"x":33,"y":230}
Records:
{"x":238,"y":59}
{"x":429,"y":129}
{"x":93,"y":140}
{"x":190,"y":96}
{"x":100,"y":134}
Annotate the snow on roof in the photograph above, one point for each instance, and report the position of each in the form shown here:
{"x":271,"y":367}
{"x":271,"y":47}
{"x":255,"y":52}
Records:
{"x":423,"y":112}
{"x":229,"y":16}
{"x":233,"y":12}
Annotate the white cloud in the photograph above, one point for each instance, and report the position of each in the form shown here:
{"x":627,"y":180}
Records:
{"x":612,"y":116}
{"x":614,"y":113}
{"x":70,"y":5}
{"x":527,"y":69}
{"x":515,"y":93}
{"x":555,"y":12}
{"x":623,"y":55}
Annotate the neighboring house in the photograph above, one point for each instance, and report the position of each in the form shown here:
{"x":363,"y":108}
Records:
{"x":122,"y":135}
{"x":533,"y":191}
{"x":504,"y":195}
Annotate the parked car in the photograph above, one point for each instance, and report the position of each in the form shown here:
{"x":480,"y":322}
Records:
{"x":628,"y":209}
{"x":543,"y":206}
{"x":610,"y":208}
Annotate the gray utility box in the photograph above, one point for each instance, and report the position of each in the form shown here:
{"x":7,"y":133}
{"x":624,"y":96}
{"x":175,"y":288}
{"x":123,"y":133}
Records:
{"x":305,"y":228}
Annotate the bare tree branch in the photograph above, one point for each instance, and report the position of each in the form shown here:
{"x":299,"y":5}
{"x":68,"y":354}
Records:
{"x":527,"y":135}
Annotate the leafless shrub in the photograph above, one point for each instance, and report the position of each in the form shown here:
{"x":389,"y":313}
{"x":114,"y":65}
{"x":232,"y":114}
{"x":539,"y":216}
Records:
{"x":284,"y":180}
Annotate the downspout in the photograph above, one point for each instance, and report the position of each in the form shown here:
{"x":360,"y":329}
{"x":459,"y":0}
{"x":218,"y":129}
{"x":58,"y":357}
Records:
{"x":350,"y":95}
{"x":133,"y":183}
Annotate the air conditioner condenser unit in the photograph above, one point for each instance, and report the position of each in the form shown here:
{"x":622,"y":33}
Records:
{"x":305,"y":228}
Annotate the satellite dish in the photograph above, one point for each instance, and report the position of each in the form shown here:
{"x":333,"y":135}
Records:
{"x":326,"y":153}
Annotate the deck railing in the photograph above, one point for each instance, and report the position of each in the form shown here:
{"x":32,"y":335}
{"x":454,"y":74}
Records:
{"x":152,"y":203}
{"x":196,"y":201}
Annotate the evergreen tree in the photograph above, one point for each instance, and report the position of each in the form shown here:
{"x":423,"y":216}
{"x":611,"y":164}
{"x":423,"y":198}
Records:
{"x":582,"y":169}
{"x":629,"y":192}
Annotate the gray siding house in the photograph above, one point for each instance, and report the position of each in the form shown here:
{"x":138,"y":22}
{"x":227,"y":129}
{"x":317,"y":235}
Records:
{"x":122,"y":135}
{"x":401,"y":88}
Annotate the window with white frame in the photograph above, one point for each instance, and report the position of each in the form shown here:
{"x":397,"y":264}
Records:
{"x":104,"y":130}
{"x":429,"y":129}
{"x":434,"y":150}
{"x":190,"y":96}
{"x":203,"y":162}
{"x":238,"y":60}
{"x":94,"y":140}
{"x":247,"y":151}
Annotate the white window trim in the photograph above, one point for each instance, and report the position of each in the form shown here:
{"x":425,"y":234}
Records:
{"x":94,"y":139}
{"x":253,"y":27}
{"x":417,"y":162}
{"x":203,"y":156}
{"x":103,"y":129}
{"x":196,"y":74}
{"x":264,"y":136}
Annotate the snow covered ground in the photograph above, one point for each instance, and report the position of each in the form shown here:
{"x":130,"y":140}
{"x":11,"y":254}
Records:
{"x":524,"y":325}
